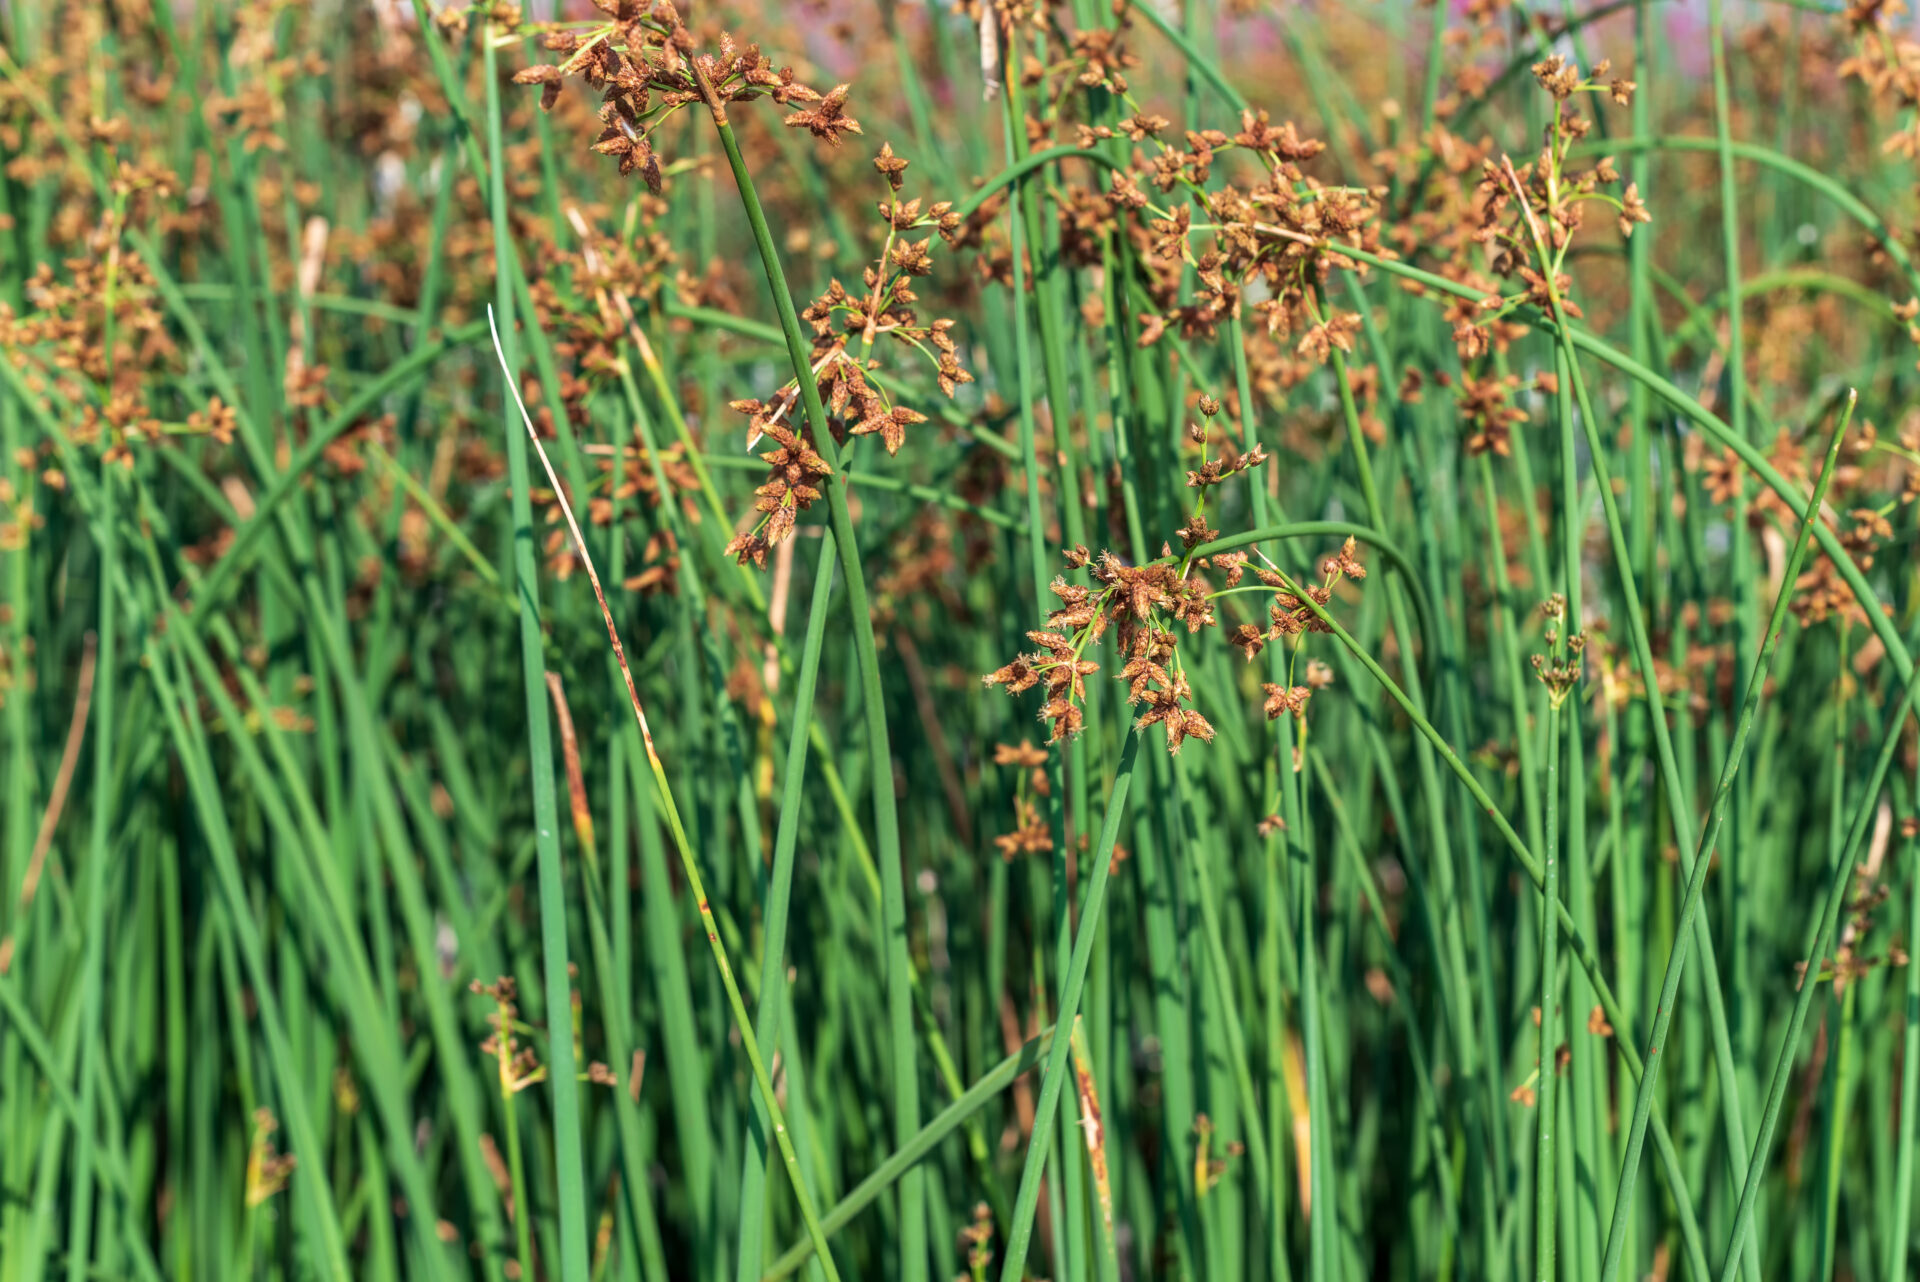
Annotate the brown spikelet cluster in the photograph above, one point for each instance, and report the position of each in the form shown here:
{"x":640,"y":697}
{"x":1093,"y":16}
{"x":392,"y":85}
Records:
{"x":94,"y":337}
{"x":1150,"y":608}
{"x":1527,"y":215}
{"x":847,"y":327}
{"x":977,"y":1241}
{"x":795,"y":469}
{"x":1031,"y":834}
{"x":517,"y":1064}
{"x":267,"y":1169}
{"x":1885,"y":60}
{"x":1487,"y":414}
{"x":1284,"y":232}
{"x":1209,"y":1170}
{"x":646,"y":65}
{"x":1215,"y":471}
{"x":1562,"y":668}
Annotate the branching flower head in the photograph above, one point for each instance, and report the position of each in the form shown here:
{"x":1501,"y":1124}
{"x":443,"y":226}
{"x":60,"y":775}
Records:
{"x":847,"y":327}
{"x":1562,"y":668}
{"x":644,"y":63}
{"x":1151,"y":609}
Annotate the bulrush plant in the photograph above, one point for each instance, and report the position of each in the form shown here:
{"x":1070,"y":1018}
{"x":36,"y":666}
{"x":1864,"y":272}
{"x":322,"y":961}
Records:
{"x":733,"y":388}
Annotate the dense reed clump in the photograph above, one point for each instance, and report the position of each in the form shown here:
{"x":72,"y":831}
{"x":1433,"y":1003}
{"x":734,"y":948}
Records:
{"x":1475,"y":442}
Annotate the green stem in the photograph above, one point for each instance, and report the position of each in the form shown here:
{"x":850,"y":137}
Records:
{"x":1549,"y":1068}
{"x":1896,"y":1266}
{"x":568,"y":1162}
{"x":522,"y":1208}
{"x":1840,"y":880}
{"x":1703,"y":858}
{"x":1582,"y":950}
{"x":1026,"y":1202}
{"x":98,"y":850}
{"x":906,"y":1078}
{"x":1735,"y":876}
{"x":773,"y":965}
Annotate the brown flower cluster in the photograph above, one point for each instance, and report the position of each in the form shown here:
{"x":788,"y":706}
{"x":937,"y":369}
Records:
{"x":1820,"y":594}
{"x":1285,"y":230}
{"x":1886,"y":62}
{"x":846,"y":328}
{"x":1273,"y":222}
{"x":1149,"y":607}
{"x":1030,"y":834}
{"x":792,"y":486}
{"x":94,"y":340}
{"x":645,"y":65}
{"x":1562,"y":667}
{"x":268,"y":1170}
{"x":1292,"y":612}
{"x":1488,"y":413}
{"x":977,"y":1239}
{"x":518,"y":1066}
{"x":1138,"y":602}
{"x":1527,"y":215}
{"x":1216,"y":471}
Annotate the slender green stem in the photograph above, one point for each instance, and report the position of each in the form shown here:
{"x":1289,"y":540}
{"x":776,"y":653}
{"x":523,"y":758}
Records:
{"x":568,"y":1162}
{"x":1736,"y":879}
{"x":1582,"y":950}
{"x":690,"y":866}
{"x":773,"y":965}
{"x":522,"y":1208}
{"x":1546,"y":1213}
{"x":99,"y":850}
{"x":906,"y":1077}
{"x":1896,"y":1267}
{"x":1703,"y":857}
{"x":1059,"y":1056}
{"x":1839,"y":882}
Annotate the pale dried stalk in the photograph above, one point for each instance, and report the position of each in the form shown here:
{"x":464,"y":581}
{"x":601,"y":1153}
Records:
{"x":57,"y":800}
{"x":313,"y":256}
{"x":743,"y":1024}
{"x":579,"y":542}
